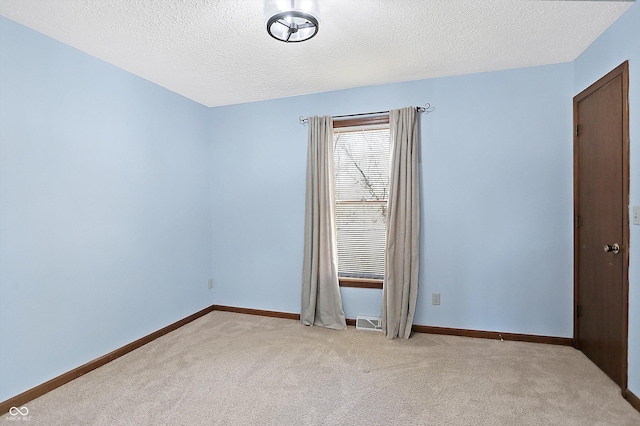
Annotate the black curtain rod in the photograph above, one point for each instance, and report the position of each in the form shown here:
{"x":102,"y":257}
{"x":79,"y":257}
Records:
{"x":425,"y":108}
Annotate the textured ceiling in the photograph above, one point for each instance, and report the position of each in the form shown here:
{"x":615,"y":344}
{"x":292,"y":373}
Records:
{"x":217,"y":52}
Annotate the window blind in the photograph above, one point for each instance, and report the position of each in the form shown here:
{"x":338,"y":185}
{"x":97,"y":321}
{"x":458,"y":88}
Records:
{"x":361,"y":168}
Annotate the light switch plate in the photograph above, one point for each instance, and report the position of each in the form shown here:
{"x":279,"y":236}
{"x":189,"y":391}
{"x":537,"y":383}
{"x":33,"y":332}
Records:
{"x":636,"y":215}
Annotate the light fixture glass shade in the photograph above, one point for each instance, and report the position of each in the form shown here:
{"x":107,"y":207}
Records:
{"x":292,"y":21}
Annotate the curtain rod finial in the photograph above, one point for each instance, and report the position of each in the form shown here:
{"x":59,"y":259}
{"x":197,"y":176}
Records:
{"x":426,"y":108}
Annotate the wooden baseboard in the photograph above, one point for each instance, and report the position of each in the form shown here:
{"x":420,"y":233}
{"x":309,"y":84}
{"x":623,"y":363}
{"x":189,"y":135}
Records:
{"x":563,"y":341}
{"x":259,"y":312}
{"x":632,"y":399}
{"x":33,"y":393}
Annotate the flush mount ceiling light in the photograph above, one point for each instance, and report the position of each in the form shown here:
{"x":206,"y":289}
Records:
{"x":294,"y":23}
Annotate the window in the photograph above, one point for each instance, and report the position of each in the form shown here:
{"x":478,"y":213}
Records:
{"x":361,"y":169}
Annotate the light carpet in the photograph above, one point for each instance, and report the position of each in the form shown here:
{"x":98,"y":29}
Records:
{"x":234,"y":369}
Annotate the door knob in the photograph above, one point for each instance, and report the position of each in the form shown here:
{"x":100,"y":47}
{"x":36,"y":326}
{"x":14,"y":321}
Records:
{"x":615,"y":248}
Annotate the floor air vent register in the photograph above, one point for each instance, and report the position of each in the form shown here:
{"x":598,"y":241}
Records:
{"x":368,"y":323}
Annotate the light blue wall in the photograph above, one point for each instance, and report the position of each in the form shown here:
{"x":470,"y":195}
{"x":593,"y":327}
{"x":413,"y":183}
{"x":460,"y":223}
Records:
{"x":496,"y":193}
{"x":104,"y":208}
{"x":619,"y":43}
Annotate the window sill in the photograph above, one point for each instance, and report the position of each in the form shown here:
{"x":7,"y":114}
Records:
{"x":360,"y":283}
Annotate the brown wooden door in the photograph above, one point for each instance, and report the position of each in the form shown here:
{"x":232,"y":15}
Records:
{"x":601,"y":167}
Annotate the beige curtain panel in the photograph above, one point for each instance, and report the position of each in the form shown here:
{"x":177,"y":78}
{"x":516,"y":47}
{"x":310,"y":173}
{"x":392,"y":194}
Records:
{"x":400,"y":288}
{"x":321,"y":300}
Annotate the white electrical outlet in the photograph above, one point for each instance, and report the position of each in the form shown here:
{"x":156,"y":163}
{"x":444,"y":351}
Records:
{"x":636,"y":215}
{"x":210,"y":282}
{"x":435,"y":298}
